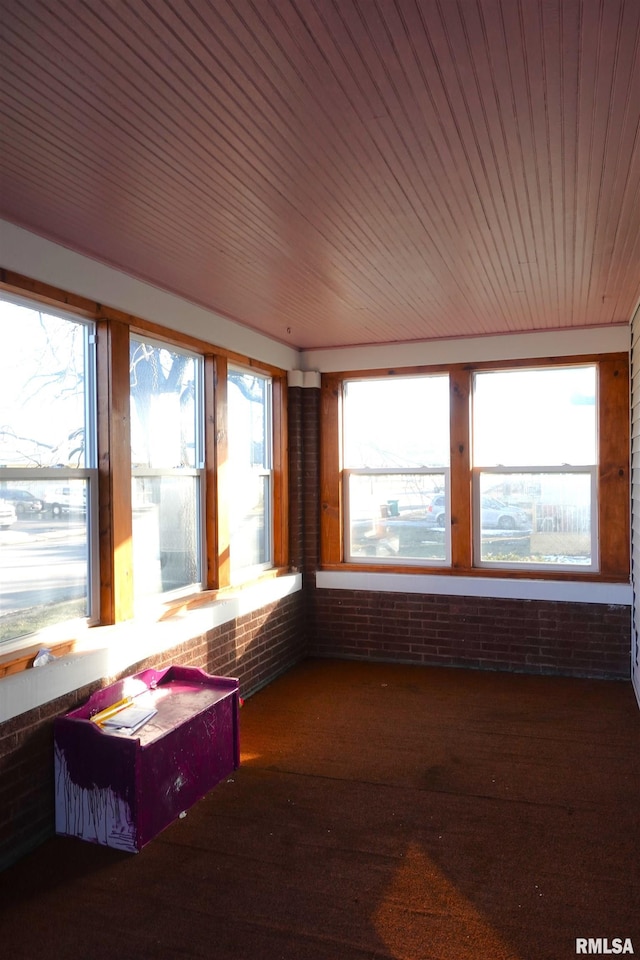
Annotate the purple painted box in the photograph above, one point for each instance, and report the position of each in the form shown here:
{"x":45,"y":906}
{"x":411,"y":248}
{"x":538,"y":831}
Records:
{"x":121,"y":790}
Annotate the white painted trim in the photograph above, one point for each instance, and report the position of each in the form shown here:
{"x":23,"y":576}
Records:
{"x":40,"y":259}
{"x":304,"y":378}
{"x":518,"y":346}
{"x":103,"y":652}
{"x":505,"y":589}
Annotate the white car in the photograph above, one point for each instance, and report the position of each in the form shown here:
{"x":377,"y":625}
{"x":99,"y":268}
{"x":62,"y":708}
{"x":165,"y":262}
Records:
{"x":7,"y":514}
{"x":66,"y":500}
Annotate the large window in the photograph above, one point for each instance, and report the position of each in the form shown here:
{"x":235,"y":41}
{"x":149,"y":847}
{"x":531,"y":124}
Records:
{"x":535,"y":463}
{"x":166,"y":467}
{"x":396,"y":469}
{"x":48,"y":489}
{"x":479,"y":469}
{"x":134,"y":470}
{"x":250,"y":505}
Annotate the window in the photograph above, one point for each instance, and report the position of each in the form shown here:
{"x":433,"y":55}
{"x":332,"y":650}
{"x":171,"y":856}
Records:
{"x":116,"y":492}
{"x":167,"y":468}
{"x":535,"y":467}
{"x":396,"y":469}
{"x":479,"y":469}
{"x":249,"y":403}
{"x":48,"y":478}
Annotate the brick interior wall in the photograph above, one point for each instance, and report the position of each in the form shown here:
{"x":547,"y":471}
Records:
{"x":311,"y":498}
{"x":304,"y":486}
{"x":254,"y":648}
{"x":311,"y":478}
{"x":533,"y":636}
{"x":296,"y":496}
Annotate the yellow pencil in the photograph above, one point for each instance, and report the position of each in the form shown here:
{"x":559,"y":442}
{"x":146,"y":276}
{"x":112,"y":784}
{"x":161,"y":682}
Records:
{"x":109,"y":711}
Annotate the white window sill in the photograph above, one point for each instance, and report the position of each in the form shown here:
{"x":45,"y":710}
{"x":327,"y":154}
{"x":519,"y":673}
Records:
{"x":493,"y":587}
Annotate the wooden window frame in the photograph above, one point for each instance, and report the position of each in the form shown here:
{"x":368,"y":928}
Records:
{"x":197,"y":472}
{"x":258,"y":569}
{"x":613,"y":472}
{"x":113,"y":329}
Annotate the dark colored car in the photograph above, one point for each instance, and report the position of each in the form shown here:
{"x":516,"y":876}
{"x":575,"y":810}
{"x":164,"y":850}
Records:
{"x":23,"y":501}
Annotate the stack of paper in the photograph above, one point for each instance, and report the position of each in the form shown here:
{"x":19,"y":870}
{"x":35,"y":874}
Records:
{"x":129,"y":719}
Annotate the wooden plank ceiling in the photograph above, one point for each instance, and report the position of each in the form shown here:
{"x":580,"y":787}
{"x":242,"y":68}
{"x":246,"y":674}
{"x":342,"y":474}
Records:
{"x":337,"y":172}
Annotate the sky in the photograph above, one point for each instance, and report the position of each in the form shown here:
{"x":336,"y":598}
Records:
{"x":41,"y":387}
{"x":542,"y":417}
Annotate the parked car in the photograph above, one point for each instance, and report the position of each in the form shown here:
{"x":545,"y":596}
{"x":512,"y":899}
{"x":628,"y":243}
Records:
{"x":416,"y":526}
{"x":22,"y":500}
{"x":66,"y":500}
{"x":496,"y":515}
{"x":436,"y":510}
{"x":7,"y":514}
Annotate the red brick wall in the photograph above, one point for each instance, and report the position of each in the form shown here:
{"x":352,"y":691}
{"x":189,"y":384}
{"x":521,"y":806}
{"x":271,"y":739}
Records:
{"x":26,"y":781}
{"x":304,"y":487}
{"x":533,"y":636}
{"x":311,"y":478}
{"x":296,"y":493}
{"x":254,"y":648}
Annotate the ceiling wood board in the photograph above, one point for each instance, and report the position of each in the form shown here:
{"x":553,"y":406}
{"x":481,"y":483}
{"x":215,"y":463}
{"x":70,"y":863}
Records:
{"x":337,"y":173}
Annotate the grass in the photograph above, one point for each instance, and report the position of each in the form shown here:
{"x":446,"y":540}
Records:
{"x":24,"y":622}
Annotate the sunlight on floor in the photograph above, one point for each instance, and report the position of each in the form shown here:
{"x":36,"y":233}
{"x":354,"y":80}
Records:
{"x":447,"y":925}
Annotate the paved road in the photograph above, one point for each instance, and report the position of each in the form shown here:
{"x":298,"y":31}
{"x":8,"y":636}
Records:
{"x":40,"y":563}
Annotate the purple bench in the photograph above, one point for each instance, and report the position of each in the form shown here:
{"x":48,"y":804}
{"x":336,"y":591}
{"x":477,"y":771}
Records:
{"x":121,"y":790}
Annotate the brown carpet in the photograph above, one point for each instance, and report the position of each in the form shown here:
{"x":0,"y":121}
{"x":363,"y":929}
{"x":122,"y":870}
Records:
{"x":379,"y":812}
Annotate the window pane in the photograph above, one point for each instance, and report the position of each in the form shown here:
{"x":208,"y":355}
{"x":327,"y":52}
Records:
{"x":43,"y":389}
{"x":398,"y":515}
{"x":249,"y":452}
{"x":165,"y":533}
{"x":165,"y":437}
{"x":544,"y":417}
{"x":46,"y":433}
{"x":44,"y":554}
{"x":163,"y":407}
{"x":397,"y":422}
{"x":248,"y":523}
{"x":249,"y":409}
{"x":536,"y":518}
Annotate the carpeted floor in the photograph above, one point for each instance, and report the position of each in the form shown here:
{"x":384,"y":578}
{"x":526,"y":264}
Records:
{"x":380,"y":813}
